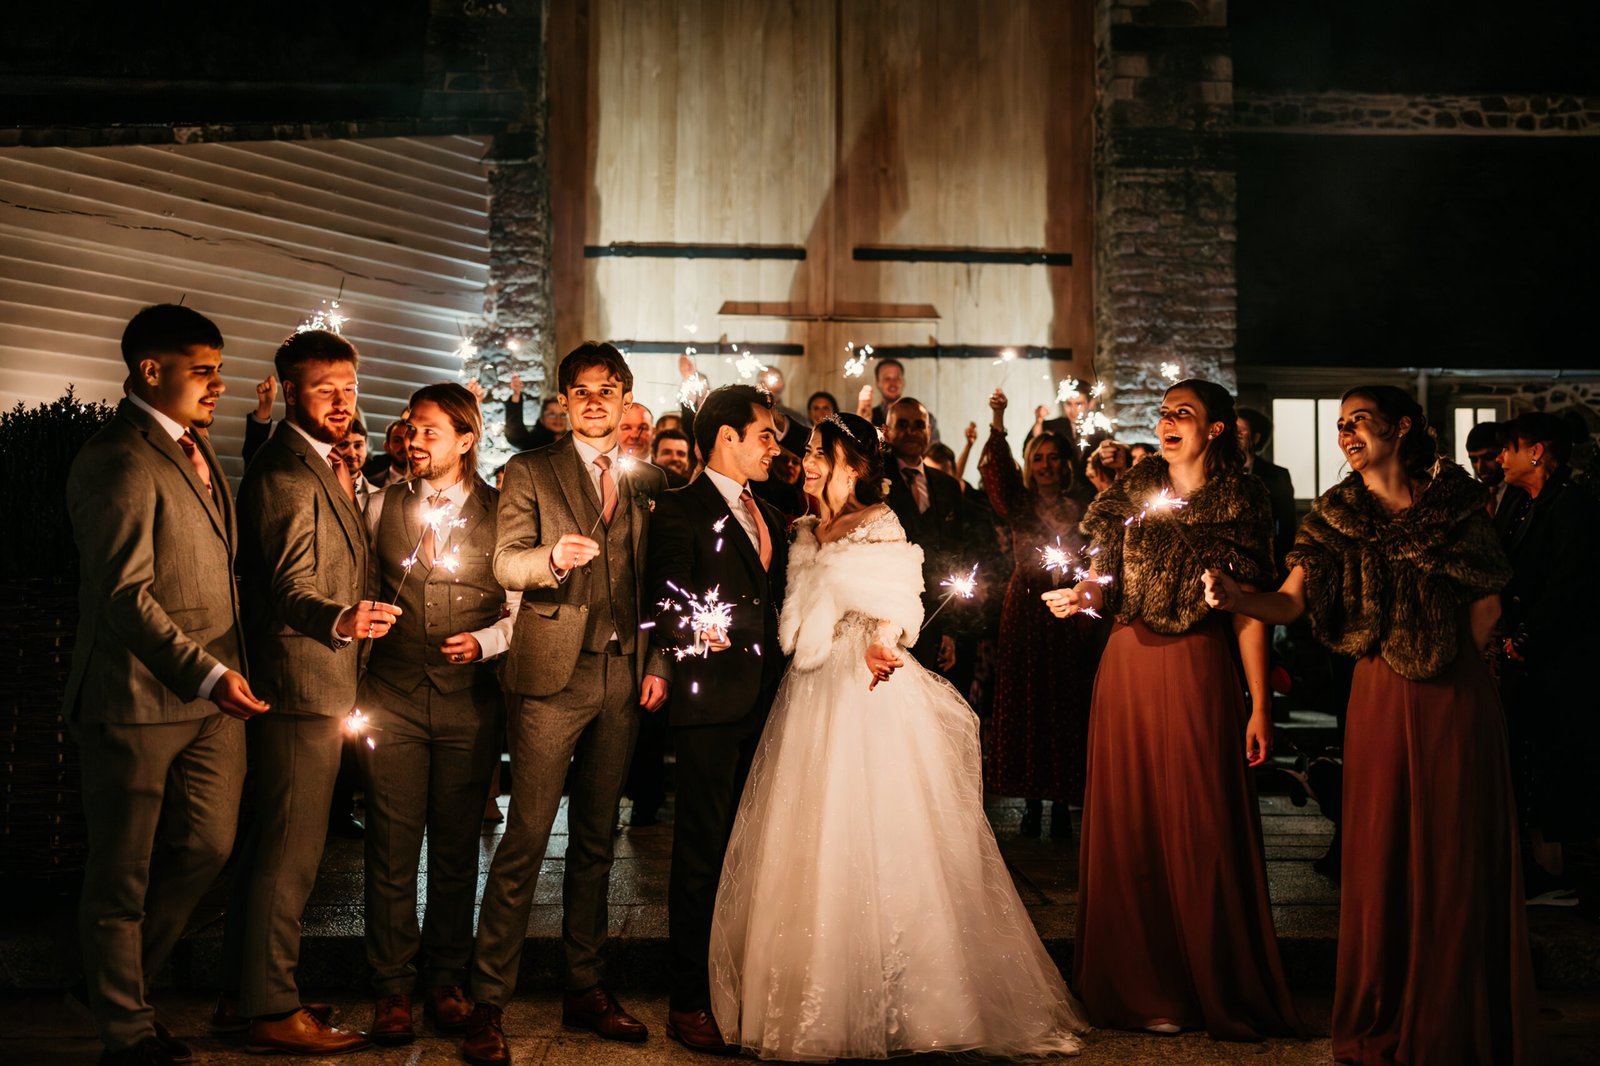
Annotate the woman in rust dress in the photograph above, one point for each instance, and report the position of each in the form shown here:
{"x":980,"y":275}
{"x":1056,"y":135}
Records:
{"x":1399,"y":564}
{"x":1174,"y":925}
{"x":1036,"y":737}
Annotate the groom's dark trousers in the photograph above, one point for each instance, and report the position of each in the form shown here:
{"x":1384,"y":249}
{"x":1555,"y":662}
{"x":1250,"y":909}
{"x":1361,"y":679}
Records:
{"x":162,"y":767}
{"x":718,"y":704}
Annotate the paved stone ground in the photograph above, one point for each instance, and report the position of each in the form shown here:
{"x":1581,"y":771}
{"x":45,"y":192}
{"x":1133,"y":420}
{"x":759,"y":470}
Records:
{"x":37,"y":953}
{"x":41,"y":1030}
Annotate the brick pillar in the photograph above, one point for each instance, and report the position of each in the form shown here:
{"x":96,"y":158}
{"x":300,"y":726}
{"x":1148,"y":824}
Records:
{"x":488,"y":58}
{"x":1165,"y":192}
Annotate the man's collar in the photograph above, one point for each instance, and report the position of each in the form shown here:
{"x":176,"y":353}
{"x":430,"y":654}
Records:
{"x":321,"y":448}
{"x":730,"y":489}
{"x":174,"y":429}
{"x":908,"y":466}
{"x":456,"y":494}
{"x":589,"y":453}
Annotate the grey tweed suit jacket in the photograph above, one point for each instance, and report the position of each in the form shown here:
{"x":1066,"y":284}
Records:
{"x":303,"y":559}
{"x":546,"y":495}
{"x":159,"y":607}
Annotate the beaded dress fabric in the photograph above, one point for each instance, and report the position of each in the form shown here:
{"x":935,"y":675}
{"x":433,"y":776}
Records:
{"x":864,"y":909}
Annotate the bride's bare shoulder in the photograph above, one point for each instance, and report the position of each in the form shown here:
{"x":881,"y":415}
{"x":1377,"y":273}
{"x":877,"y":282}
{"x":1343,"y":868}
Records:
{"x":860,"y":525}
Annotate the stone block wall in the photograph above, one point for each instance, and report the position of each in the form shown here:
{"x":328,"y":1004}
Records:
{"x":1165,"y":192}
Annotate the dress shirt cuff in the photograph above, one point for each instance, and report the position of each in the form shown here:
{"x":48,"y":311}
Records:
{"x":260,"y":421}
{"x":211,"y":680}
{"x":495,"y":639}
{"x":559,"y":574}
{"x":339,"y":641}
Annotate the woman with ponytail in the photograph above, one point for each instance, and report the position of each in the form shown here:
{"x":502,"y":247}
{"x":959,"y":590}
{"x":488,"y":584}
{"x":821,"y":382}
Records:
{"x":1174,"y":924}
{"x":1399,"y":565}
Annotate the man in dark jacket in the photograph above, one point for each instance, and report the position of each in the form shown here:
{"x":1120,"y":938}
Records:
{"x":1255,"y":430}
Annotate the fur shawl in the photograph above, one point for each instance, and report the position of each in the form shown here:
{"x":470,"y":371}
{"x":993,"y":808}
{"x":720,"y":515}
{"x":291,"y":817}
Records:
{"x":1396,"y":584}
{"x":1156,"y":563}
{"x":878,"y":578}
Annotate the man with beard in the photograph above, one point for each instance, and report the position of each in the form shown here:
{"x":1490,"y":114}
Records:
{"x":156,"y":690}
{"x":571,"y":537}
{"x":672,"y":455}
{"x":435,"y":702}
{"x":303,"y":563}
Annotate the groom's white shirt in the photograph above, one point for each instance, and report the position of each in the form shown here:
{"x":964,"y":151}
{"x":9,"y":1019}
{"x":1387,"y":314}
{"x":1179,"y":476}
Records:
{"x":732,"y":492}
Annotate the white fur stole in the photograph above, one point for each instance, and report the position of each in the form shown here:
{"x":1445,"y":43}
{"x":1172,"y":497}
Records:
{"x":879,"y":579}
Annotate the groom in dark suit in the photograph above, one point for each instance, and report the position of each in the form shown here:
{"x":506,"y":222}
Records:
{"x":573,"y":527}
{"x":714,"y":534}
{"x":158,"y":655}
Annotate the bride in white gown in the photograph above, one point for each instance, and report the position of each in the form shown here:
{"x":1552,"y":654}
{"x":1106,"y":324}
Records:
{"x":864,"y":909}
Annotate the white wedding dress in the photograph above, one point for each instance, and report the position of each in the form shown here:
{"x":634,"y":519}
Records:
{"x":864,"y":909}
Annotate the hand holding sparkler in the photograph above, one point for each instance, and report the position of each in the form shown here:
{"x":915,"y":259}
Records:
{"x":233,"y":697}
{"x":573,"y":551}
{"x":998,"y":404}
{"x":1079,"y":599}
{"x":266,"y":393}
{"x":1222,"y":591}
{"x":864,"y":402}
{"x":367,"y":620}
{"x":882,"y":662}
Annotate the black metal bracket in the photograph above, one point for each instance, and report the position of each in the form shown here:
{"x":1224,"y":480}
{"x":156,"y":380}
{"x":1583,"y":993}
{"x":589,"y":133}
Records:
{"x":874,"y":253}
{"x":694,"y":251}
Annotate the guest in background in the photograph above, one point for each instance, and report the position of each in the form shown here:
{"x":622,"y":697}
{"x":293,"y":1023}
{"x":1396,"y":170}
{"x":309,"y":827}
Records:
{"x":670,"y":420}
{"x":1140,"y":450}
{"x":821,"y":405}
{"x":431,"y":695}
{"x":1485,"y":442}
{"x":1255,"y":430}
{"x":635,"y":432}
{"x":342,"y":820}
{"x":1400,"y":565}
{"x":353,"y":449}
{"x":392,"y":467}
{"x":794,"y":428}
{"x":958,"y":464}
{"x":1037,"y":736}
{"x":890,"y":376}
{"x":1174,"y":923}
{"x":1547,"y":678}
{"x":258,"y":423}
{"x":781,"y":489}
{"x":303,"y":568}
{"x":156,"y":694}
{"x":551,"y":426}
{"x":672,"y":455}
{"x":928,"y":504}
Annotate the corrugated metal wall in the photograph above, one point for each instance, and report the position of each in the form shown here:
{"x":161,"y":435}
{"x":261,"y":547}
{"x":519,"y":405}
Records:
{"x":255,"y":235}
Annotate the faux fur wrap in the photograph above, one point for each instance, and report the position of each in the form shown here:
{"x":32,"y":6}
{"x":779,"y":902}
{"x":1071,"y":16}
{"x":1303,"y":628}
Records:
{"x":1396,"y":584}
{"x":1156,"y":562}
{"x":876,"y":578}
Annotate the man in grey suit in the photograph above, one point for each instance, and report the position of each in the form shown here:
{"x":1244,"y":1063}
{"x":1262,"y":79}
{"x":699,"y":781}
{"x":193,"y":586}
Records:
{"x":158,"y":655}
{"x":304,"y":563}
{"x":572,"y":538}
{"x":434,"y":701}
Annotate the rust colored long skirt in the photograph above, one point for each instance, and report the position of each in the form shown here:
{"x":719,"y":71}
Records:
{"x":1434,"y":962}
{"x":1174,"y":924}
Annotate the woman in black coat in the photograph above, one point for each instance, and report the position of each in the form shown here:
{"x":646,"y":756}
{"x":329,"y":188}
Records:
{"x":1546,"y":681}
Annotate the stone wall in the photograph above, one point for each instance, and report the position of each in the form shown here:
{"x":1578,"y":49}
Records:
{"x":1165,"y":190}
{"x":1547,"y":114}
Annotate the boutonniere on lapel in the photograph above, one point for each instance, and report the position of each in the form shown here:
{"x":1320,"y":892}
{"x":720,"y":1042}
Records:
{"x":642,"y":497}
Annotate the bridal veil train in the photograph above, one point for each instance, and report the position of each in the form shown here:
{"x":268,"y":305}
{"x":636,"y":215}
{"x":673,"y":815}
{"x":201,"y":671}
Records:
{"x":864,"y":909}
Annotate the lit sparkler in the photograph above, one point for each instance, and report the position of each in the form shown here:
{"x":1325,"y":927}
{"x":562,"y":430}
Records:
{"x":1067,"y":390}
{"x":748,"y":365}
{"x":959,"y":584}
{"x":439,"y":516}
{"x":358,"y":724}
{"x":716,"y":527}
{"x":704,"y":617}
{"x":326,"y":317}
{"x":694,"y":387}
{"x":1171,"y":371}
{"x":855,"y":363}
{"x":1162,"y":502}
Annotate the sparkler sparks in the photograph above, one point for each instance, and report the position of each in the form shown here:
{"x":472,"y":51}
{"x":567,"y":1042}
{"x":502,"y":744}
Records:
{"x":1067,"y":390}
{"x":959,"y":584}
{"x":326,"y":317}
{"x":1171,"y":371}
{"x":716,"y":527}
{"x":855,"y":363}
{"x":357,"y":724}
{"x":748,"y":365}
{"x":694,"y":387}
{"x":1162,"y":502}
{"x":708,"y":617}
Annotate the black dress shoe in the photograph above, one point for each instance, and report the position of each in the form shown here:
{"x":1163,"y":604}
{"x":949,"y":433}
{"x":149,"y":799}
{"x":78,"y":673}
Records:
{"x":147,"y":1052}
{"x":1060,"y":822}
{"x":643,"y":817}
{"x":346,"y":827}
{"x":176,"y":1049}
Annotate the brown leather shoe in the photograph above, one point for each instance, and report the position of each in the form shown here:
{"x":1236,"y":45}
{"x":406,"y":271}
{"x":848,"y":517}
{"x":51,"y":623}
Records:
{"x":176,"y":1049}
{"x":391,"y":1021}
{"x":485,"y":1044}
{"x":226,"y":1018}
{"x":302,"y":1033}
{"x":697,"y":1031}
{"x":598,"y":1011}
{"x":449,"y":1008}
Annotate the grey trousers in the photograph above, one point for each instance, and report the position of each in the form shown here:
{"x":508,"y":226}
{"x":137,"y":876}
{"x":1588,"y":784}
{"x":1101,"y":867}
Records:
{"x":293,"y":762}
{"x":591,"y":724}
{"x":427,"y":770}
{"x":161,"y":802}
